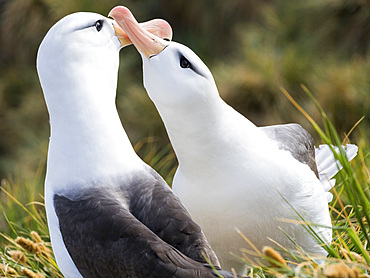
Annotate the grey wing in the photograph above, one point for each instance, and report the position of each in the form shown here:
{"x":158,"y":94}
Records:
{"x":157,"y":207}
{"x":105,"y":240}
{"x":295,"y":139}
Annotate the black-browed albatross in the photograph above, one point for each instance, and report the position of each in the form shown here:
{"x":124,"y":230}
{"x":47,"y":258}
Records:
{"x":109,"y":214}
{"x":232,"y":173}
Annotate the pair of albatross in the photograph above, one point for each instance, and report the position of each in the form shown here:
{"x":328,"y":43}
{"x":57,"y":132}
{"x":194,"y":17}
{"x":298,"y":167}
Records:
{"x":110,"y":214}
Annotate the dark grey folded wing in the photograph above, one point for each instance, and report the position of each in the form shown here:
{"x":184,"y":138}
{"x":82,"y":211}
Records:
{"x":154,"y":204}
{"x":106,"y":239}
{"x":296,"y":140}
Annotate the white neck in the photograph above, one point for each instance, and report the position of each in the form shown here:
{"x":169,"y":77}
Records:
{"x":201,"y":134}
{"x":87,"y":139}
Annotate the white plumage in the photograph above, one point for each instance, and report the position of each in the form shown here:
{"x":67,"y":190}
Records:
{"x":231,"y":173}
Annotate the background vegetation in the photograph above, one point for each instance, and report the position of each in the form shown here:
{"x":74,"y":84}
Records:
{"x":252,"y":47}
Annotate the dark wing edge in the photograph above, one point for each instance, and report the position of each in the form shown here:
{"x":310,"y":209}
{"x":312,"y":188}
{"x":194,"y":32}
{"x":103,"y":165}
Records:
{"x":295,"y":139}
{"x":158,"y":208}
{"x":105,"y":240}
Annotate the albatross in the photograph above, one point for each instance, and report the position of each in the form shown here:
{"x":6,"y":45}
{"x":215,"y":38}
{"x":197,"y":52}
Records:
{"x":232,"y":173}
{"x":109,"y":214}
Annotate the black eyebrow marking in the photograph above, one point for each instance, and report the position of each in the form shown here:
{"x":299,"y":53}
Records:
{"x":88,"y":26}
{"x":194,"y":68}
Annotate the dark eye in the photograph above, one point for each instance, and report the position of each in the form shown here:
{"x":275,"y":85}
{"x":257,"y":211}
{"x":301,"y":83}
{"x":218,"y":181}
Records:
{"x":99,"y":25}
{"x":184,"y":63}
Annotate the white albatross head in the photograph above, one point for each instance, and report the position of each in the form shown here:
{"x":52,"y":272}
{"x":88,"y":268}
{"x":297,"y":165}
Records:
{"x":80,"y":54}
{"x":173,"y":74}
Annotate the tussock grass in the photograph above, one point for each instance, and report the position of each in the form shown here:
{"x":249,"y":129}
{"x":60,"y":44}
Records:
{"x":25,"y":249}
{"x":25,"y":252}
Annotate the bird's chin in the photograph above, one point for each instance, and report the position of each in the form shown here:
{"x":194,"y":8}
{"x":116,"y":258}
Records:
{"x":155,"y":55}
{"x":118,"y":44}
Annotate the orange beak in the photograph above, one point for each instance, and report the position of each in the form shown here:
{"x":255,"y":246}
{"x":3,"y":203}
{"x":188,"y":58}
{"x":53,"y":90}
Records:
{"x":148,"y":37}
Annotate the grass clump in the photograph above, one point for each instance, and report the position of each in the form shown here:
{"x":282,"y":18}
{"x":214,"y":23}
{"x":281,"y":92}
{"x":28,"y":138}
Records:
{"x":24,"y":252}
{"x":28,"y":256}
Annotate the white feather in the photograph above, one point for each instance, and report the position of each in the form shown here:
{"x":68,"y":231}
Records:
{"x":327,"y":165}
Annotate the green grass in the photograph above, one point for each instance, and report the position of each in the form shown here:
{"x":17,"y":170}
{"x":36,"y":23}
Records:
{"x":23,"y":217}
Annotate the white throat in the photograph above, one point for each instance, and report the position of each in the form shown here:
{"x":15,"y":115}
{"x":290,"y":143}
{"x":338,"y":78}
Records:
{"x":87,"y":139}
{"x":200,"y":134}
